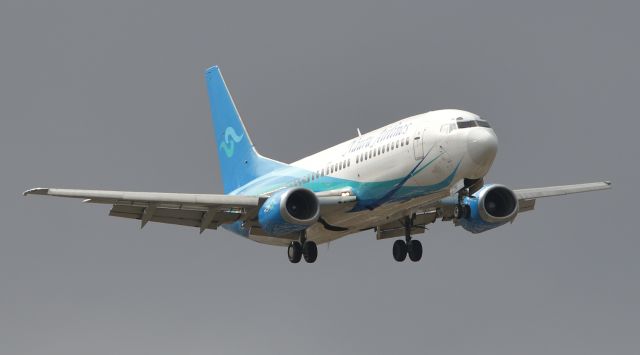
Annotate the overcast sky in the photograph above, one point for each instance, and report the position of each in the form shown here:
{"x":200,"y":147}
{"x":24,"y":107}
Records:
{"x":110,"y":95}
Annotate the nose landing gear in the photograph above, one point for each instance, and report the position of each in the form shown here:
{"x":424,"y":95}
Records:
{"x":462,"y":210}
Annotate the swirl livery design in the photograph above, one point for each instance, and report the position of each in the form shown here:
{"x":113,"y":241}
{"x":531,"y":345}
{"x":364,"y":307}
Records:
{"x":230,"y":139}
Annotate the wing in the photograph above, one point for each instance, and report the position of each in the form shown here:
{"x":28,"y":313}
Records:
{"x":206,"y":211}
{"x":527,"y":197}
{"x":444,"y":208}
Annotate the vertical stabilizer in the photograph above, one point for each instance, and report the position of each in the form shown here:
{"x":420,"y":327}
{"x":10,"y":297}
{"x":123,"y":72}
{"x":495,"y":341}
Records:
{"x":239,"y":161}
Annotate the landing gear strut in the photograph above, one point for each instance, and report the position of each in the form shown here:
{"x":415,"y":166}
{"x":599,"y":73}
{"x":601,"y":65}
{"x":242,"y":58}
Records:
{"x":411,"y":247}
{"x":462,"y":210}
{"x":303,"y":248}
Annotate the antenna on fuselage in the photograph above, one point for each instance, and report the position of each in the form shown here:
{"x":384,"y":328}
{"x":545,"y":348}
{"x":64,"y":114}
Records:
{"x":359,"y":134}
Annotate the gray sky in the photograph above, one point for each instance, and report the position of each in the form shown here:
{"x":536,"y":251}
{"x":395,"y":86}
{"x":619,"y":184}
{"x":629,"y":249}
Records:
{"x":110,"y":94}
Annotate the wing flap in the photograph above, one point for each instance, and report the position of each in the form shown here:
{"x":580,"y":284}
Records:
{"x":192,"y":218}
{"x":526,"y":205}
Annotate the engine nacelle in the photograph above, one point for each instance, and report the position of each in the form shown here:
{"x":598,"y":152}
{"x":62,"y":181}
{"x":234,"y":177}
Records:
{"x":489,"y":207}
{"x":289,"y":211}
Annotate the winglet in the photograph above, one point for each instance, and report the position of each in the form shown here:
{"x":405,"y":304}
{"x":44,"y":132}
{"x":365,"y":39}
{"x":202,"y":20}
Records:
{"x":36,"y":191}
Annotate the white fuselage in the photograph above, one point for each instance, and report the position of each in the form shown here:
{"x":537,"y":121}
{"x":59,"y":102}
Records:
{"x":427,"y":149}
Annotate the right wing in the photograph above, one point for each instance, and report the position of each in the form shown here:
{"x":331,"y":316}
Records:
{"x":206,"y":211}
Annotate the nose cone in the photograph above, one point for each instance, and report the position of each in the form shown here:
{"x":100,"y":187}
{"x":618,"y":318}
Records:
{"x":482,"y":145}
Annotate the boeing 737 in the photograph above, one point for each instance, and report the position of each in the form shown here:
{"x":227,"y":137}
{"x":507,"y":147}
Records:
{"x":395,"y":180}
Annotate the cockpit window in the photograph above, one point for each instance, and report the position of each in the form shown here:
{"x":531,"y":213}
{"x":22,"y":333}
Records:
{"x":466,"y":124}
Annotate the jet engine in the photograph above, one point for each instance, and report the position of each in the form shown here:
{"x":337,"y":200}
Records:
{"x":488,"y":208}
{"x":289,"y":211}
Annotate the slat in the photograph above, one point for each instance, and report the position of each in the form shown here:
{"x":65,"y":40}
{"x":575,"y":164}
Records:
{"x":106,"y":196}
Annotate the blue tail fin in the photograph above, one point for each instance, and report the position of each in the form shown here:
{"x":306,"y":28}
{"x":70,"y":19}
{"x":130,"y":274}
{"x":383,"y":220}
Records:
{"x":239,"y":161}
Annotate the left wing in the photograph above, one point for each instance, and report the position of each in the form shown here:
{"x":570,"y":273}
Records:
{"x":196,"y":210}
{"x":527,"y":197}
{"x":444,"y":208}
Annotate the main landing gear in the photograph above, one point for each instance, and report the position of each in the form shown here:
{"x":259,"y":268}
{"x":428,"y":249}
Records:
{"x":411,"y":247}
{"x":303,"y":248}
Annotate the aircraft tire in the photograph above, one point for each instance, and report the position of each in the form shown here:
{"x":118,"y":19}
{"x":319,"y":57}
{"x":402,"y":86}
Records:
{"x":310,"y":251}
{"x":414,"y":249}
{"x":460,"y":212}
{"x":294,"y":252}
{"x":399,"y":250}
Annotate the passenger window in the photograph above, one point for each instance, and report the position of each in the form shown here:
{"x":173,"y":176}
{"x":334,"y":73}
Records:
{"x":407,"y":140}
{"x":349,"y":162}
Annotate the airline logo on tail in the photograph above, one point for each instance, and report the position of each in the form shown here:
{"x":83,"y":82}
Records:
{"x":230,"y":139}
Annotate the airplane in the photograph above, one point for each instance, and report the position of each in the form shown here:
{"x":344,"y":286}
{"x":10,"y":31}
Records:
{"x":394,"y":180}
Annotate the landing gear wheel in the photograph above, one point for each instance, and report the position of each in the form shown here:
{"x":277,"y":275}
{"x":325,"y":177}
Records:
{"x":414,"y":249}
{"x":399,"y":250}
{"x":294,"y":252}
{"x":461,"y":211}
{"x":309,"y":251}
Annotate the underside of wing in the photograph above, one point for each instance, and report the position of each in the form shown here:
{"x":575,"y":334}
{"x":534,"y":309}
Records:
{"x":527,"y":197}
{"x":205,"y":211}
